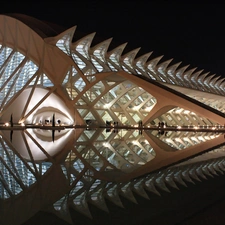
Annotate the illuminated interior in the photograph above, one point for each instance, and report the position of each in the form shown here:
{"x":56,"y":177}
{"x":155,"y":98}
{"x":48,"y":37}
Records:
{"x":52,"y":81}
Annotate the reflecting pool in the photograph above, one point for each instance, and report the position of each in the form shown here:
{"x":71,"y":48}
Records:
{"x":58,"y":166}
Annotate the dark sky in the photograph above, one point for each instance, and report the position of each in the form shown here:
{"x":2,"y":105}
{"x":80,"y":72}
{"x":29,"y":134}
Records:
{"x":191,"y":33}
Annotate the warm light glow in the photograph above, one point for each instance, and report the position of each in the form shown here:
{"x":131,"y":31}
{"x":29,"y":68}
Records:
{"x":136,"y":108}
{"x":106,"y":144}
{"x":135,"y":142}
{"x":107,"y":106}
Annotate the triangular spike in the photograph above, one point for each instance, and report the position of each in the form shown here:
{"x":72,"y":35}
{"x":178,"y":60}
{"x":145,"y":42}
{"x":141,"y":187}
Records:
{"x":180,"y":71}
{"x":206,"y":171}
{"x":186,"y":176}
{"x":126,"y":192}
{"x":151,"y":65}
{"x":178,"y":178}
{"x":142,"y":59}
{"x":159,"y":181}
{"x":208,"y":78}
{"x":188,"y":73}
{"x":219,"y":81}
{"x":88,"y":38}
{"x":100,"y":203}
{"x":139,"y":189}
{"x":115,"y":54}
{"x":82,"y":46}
{"x":171,"y":69}
{"x":149,"y":185}
{"x":202,"y":76}
{"x":112,"y":194}
{"x":213,"y":80}
{"x":69,"y":33}
{"x":101,"y":48}
{"x":129,"y":57}
{"x":119,"y":49}
{"x":193,"y":174}
{"x":200,"y":172}
{"x":104,"y":43}
{"x":164,"y":65}
{"x":131,"y":54}
{"x":161,"y":68}
{"x":169,"y":180}
{"x":195,"y":75}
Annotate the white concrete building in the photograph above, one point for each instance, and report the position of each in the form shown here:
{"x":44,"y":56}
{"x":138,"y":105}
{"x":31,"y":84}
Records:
{"x":44,"y":72}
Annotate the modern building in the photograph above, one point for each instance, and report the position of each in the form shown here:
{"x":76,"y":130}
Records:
{"x":89,"y":124}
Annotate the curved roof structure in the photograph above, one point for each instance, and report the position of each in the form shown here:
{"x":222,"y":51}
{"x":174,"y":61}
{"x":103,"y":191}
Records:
{"x":178,"y":113}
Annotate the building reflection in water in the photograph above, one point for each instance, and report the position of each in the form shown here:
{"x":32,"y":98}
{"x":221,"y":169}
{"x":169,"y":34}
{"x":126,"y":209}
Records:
{"x":84,"y":166}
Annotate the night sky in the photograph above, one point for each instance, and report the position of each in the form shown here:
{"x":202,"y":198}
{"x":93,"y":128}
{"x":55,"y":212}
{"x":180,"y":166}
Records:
{"x":189,"y":33}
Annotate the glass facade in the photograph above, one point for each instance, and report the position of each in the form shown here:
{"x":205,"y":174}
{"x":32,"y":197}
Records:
{"x":99,"y":124}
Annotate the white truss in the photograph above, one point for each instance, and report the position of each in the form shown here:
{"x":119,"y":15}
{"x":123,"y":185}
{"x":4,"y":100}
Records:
{"x":42,"y":74}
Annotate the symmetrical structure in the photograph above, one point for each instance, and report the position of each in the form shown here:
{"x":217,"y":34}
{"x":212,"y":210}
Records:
{"x":44,"y":72}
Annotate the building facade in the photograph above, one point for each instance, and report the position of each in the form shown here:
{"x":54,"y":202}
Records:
{"x":45,"y":72}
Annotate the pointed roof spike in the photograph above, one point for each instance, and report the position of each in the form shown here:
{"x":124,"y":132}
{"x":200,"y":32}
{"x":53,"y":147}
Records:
{"x":188,"y":73}
{"x":208,"y":78}
{"x":195,"y":75}
{"x":70,"y":32}
{"x":222,"y":84}
{"x":201,"y":79}
{"x":85,"y":42}
{"x":129,"y":57}
{"x":151,"y":65}
{"x":104,"y":44}
{"x":211,"y":82}
{"x":131,"y":54}
{"x":101,"y":48}
{"x":180,"y":71}
{"x":143,"y":58}
{"x":119,"y":48}
{"x":219,"y":82}
{"x":187,"y":77}
{"x":214,"y":80}
{"x":88,"y":39}
{"x":117,"y":52}
{"x":162,"y":66}
{"x":165,"y":63}
{"x":171,"y":70}
{"x":202,"y":76}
